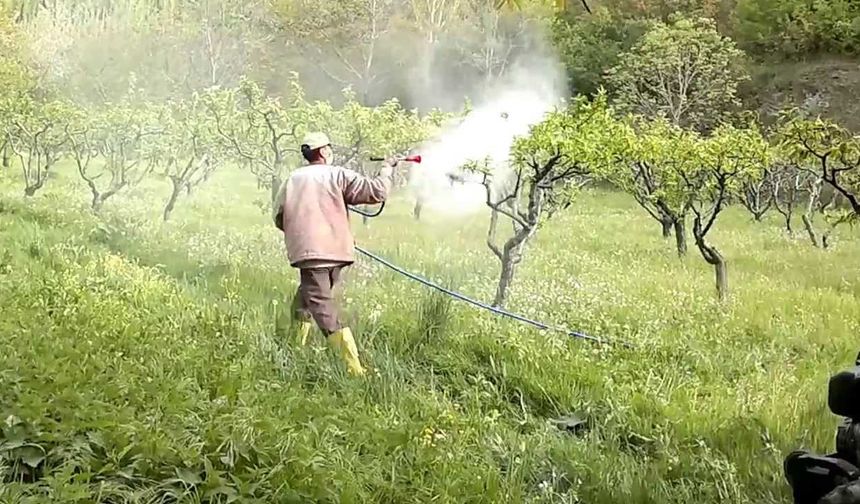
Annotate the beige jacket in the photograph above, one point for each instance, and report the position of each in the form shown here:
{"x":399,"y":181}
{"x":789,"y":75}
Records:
{"x":311,"y":210}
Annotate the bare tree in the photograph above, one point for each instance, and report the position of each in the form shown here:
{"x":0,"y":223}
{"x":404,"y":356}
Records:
{"x":490,"y":40}
{"x":432,"y":18}
{"x":831,"y":154}
{"x":345,"y":42}
{"x":190,"y":151}
{"x":758,"y":194}
{"x":113,"y":143}
{"x":546,"y":169}
{"x":815,"y":207}
{"x":649,"y":156}
{"x":258,"y":130}
{"x":36,"y":135}
{"x":715,"y":175}
{"x":789,"y":183}
{"x":813,"y":195}
{"x":534,"y":193}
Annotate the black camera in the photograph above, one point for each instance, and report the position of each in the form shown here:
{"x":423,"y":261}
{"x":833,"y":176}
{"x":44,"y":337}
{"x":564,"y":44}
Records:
{"x":833,"y":478}
{"x":843,"y":398}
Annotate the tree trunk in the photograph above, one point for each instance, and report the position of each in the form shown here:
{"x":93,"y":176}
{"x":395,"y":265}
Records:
{"x":825,"y":236}
{"x":6,"y":155}
{"x":97,"y":202}
{"x":722,"y":275}
{"x":786,"y":213}
{"x":30,"y":190}
{"x":509,"y":266}
{"x":681,"y":236}
{"x":713,"y":257}
{"x":813,"y":200}
{"x":810,"y":230}
{"x":667,"y":225}
{"x":171,"y":203}
{"x":416,"y":210}
{"x":275,"y":186}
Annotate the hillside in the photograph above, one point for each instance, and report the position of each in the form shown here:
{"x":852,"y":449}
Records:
{"x":828,"y":85}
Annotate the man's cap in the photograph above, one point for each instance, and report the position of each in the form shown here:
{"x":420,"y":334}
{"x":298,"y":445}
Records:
{"x":316,"y":140}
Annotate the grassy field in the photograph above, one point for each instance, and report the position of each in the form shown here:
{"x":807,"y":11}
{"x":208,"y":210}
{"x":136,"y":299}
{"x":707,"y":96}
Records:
{"x":141,"y":361}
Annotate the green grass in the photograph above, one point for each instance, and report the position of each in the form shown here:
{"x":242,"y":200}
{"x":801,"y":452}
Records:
{"x":140,"y":361}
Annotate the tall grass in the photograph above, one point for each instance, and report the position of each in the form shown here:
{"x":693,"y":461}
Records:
{"x":141,"y":361}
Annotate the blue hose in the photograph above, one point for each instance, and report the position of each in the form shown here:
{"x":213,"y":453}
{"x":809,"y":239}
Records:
{"x":497,"y":311}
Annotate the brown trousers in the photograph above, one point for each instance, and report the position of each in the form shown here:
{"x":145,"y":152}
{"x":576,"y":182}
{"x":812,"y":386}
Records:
{"x":315,"y":298}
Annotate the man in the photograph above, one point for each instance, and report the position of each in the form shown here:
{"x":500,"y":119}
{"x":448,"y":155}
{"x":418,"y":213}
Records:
{"x":311,"y":210}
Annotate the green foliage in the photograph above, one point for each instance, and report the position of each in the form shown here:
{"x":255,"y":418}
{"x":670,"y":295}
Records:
{"x":359,"y":132}
{"x":589,"y":45}
{"x":263,"y":132}
{"x":191,"y":148}
{"x":114,"y":146}
{"x":671,"y":171}
{"x":734,"y":154}
{"x":565,"y":146}
{"x":684,"y":71}
{"x":706,"y":174}
{"x":260,"y":132}
{"x":726,"y":162}
{"x":650,"y":158}
{"x":16,"y":82}
{"x":575,"y":135}
{"x":797,"y":27}
{"x":546,"y":169}
{"x":15,"y":77}
{"x":827,"y":149}
{"x":36,"y":134}
{"x":165,"y":384}
{"x":190,"y":140}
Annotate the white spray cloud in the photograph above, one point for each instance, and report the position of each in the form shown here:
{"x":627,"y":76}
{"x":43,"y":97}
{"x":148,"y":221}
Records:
{"x":519,"y":100}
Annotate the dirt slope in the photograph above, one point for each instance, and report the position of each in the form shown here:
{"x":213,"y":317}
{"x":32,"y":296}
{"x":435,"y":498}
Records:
{"x":827,"y":85}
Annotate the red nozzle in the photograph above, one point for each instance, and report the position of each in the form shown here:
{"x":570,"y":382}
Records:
{"x":411,"y":159}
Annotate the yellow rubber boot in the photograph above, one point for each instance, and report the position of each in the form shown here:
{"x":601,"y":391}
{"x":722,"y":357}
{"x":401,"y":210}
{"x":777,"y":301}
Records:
{"x":304,"y":331}
{"x":344,"y":344}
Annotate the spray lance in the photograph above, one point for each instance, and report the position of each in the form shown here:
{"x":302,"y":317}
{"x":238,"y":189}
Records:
{"x":409,"y":159}
{"x":397,"y":159}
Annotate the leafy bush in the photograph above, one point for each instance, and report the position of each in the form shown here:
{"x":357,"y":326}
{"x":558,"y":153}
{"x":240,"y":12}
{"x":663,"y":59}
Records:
{"x":798,"y":27}
{"x":591,"y":44}
{"x":684,"y":71}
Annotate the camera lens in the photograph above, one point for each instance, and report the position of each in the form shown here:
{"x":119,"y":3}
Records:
{"x":848,"y":441}
{"x":843,"y":393}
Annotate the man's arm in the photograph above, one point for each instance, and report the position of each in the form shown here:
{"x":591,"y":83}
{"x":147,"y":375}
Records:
{"x":361,"y":190}
{"x":278,"y":206}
